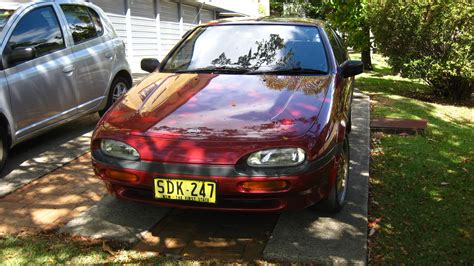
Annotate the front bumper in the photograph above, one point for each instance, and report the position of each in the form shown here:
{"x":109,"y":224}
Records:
{"x":308,"y":183}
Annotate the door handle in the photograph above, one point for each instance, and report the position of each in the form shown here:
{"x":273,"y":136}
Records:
{"x":68,"y":69}
{"x":109,"y":55}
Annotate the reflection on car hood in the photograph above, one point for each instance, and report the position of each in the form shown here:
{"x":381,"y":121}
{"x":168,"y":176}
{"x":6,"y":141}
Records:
{"x":212,"y":106}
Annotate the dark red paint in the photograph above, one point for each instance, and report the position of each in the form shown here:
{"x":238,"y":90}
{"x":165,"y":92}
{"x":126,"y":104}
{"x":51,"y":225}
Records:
{"x":218,"y":119}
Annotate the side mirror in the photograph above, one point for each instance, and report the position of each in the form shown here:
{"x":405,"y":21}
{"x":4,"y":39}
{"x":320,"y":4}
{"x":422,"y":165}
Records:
{"x":351,"y":68}
{"x":21,"y":54}
{"x":149,"y":64}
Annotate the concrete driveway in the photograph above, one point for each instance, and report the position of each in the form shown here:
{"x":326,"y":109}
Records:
{"x":304,"y":236}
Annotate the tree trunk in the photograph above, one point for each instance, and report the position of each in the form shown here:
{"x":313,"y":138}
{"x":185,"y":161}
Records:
{"x":366,"y":59}
{"x":365,"y":53}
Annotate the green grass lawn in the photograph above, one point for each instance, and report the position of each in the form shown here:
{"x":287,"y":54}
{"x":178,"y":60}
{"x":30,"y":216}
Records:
{"x":421,"y":187}
{"x":58,"y":249}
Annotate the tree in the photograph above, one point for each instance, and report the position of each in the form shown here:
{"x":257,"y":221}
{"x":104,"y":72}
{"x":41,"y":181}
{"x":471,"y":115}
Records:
{"x":431,"y":40}
{"x":298,"y":8}
{"x":351,"y":17}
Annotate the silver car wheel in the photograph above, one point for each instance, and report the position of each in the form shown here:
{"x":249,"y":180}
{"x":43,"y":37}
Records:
{"x":120,"y":89}
{"x":3,"y":148}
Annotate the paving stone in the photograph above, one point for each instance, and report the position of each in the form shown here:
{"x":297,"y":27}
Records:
{"x":116,"y":220}
{"x":209,"y":234}
{"x":253,"y":251}
{"x":43,"y":204}
{"x":44,"y":163}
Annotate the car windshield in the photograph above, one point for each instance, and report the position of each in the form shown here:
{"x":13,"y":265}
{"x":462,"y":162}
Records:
{"x":250,"y":49}
{"x":5,"y":14}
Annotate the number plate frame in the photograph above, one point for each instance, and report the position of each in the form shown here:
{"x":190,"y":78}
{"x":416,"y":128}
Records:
{"x":199,"y":181}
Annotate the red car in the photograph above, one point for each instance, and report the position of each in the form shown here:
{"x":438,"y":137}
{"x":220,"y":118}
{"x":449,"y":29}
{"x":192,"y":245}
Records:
{"x":241,"y":115}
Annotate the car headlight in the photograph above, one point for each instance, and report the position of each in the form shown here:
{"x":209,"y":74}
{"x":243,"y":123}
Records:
{"x":276,"y":157}
{"x":119,"y":149}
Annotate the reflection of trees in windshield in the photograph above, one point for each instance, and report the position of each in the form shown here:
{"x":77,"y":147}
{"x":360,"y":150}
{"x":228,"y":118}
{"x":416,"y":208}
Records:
{"x":309,"y":85}
{"x":266,"y":53}
{"x":250,"y":49}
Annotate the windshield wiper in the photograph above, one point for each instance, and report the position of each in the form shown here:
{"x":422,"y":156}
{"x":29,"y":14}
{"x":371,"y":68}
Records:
{"x":215,"y":69}
{"x":294,"y":70}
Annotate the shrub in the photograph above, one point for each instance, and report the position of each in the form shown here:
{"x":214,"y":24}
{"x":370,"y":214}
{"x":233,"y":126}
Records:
{"x":431,"y":40}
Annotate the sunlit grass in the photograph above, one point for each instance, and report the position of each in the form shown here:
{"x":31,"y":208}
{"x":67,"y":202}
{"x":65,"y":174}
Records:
{"x":421,"y":186}
{"x":57,"y":249}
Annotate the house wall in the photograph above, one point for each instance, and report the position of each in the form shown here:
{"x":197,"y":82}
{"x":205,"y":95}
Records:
{"x":247,"y":7}
{"x":150,"y":28}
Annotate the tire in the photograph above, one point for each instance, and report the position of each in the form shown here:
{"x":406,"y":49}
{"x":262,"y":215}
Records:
{"x":349,"y":122}
{"x":338,"y":194}
{"x":119,"y":87}
{"x":4,"y":147}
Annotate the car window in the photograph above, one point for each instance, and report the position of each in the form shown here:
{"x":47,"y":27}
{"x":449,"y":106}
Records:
{"x":338,"y":52}
{"x":38,"y":29}
{"x":342,"y":46}
{"x":97,"y":21}
{"x":249,"y":47}
{"x":79,"y":22}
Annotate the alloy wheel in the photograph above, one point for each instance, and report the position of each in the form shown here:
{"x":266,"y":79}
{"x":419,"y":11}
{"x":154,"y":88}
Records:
{"x":342,"y":177}
{"x":120,"y":89}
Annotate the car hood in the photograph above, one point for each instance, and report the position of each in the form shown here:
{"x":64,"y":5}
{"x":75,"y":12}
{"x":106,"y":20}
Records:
{"x":220,"y":106}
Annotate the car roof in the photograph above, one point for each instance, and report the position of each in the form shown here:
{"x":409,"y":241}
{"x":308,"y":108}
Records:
{"x":15,"y":4}
{"x":268,"y":20}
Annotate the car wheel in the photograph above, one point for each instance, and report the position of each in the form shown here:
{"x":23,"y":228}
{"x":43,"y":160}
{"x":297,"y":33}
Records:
{"x":119,"y":87}
{"x":3,"y":147}
{"x":338,"y":194}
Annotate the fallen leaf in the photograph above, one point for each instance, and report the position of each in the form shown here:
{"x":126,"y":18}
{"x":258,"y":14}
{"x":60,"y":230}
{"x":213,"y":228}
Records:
{"x":107,"y":248}
{"x":378,"y":135}
{"x":404,"y":251}
{"x":374,"y":223}
{"x":371,"y":231}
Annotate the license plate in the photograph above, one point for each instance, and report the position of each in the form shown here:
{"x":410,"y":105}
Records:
{"x":184,"y":189}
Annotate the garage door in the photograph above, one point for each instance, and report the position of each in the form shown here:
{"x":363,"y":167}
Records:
{"x":206,"y":15}
{"x":144,"y":31}
{"x":189,"y":17}
{"x":115,"y":11}
{"x":169,"y":26}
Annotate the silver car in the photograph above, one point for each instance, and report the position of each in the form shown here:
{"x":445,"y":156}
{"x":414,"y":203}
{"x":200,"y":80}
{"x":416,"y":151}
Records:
{"x":59,"y":60}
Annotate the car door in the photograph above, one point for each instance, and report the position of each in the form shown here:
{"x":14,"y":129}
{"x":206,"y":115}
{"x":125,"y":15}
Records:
{"x":93,"y":52}
{"x":40,"y":80}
